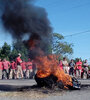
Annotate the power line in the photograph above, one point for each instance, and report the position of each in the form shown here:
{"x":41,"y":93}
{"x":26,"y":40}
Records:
{"x":54,"y":4}
{"x":77,"y":33}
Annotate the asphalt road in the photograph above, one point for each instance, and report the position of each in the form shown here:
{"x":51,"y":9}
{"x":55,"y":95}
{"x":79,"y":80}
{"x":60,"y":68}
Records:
{"x":83,"y":94}
{"x":20,"y":82}
{"x":30,"y":82}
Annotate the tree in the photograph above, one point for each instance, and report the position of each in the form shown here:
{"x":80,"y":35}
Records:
{"x":19,"y":47}
{"x":59,"y":46}
{"x":13,"y":54}
{"x":5,"y":51}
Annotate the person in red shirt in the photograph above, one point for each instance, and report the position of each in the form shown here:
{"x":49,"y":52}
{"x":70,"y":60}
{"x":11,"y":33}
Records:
{"x":19,"y":68}
{"x":13,"y":70}
{"x":6,"y":66}
{"x":29,"y":69}
{"x":60,"y":64}
{"x":23,"y":64}
{"x":78,"y":68}
{"x":0,"y":69}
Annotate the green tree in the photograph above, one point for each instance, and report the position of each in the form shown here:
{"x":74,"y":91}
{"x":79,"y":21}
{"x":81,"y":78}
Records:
{"x":13,"y":54}
{"x":59,"y":46}
{"x":19,"y":47}
{"x":5,"y":51}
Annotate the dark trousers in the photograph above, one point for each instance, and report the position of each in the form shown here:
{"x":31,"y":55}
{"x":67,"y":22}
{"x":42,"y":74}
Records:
{"x":71,"y":71}
{"x":5,"y":74}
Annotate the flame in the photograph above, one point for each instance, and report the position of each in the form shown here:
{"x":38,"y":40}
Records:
{"x":44,"y":69}
{"x":48,"y":65}
{"x":32,"y":44}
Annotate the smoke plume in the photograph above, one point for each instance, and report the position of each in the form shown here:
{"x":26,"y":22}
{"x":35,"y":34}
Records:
{"x":22,"y":17}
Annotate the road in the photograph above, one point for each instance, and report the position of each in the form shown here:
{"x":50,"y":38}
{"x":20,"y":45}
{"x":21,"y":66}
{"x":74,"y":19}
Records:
{"x":30,"y":82}
{"x":83,"y":94}
{"x":20,"y":82}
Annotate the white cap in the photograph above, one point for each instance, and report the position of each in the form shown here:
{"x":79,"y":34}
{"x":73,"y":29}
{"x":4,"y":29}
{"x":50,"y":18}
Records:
{"x":19,"y":54}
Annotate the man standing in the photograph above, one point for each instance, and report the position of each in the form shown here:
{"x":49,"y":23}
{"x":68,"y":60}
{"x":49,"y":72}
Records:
{"x":23,"y":64}
{"x":34,"y":68}
{"x":13,"y":70}
{"x":29,"y":69}
{"x":0,"y":69}
{"x":19,"y":68}
{"x":85,"y":71}
{"x":78,"y":68}
{"x":6,"y":66}
{"x":86,"y":66}
{"x":65,"y":65}
{"x":72,"y":65}
{"x":60,"y":64}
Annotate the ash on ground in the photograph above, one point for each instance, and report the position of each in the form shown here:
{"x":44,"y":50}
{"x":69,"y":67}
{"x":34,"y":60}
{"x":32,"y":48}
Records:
{"x":31,"y":93}
{"x":40,"y":93}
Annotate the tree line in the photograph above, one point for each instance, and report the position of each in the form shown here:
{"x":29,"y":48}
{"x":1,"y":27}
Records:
{"x":57,"y":46}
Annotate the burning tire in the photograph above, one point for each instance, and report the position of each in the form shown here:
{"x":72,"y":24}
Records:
{"x":51,"y":82}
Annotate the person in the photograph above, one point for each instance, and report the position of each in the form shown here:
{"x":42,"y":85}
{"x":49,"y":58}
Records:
{"x":0,"y":68}
{"x":85,"y":70}
{"x":65,"y":65}
{"x":60,"y":64}
{"x":34,"y":69}
{"x":23,"y":64}
{"x":29,"y":69}
{"x":71,"y":65}
{"x":12,"y":70}
{"x":86,"y":66}
{"x":19,"y":68}
{"x":78,"y":68}
{"x":6,"y":66}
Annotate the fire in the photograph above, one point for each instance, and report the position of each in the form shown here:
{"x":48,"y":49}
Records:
{"x":32,"y":44}
{"x":43,"y":66}
{"x":48,"y":65}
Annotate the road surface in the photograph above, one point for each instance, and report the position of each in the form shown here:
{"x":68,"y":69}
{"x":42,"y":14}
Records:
{"x":83,"y":94}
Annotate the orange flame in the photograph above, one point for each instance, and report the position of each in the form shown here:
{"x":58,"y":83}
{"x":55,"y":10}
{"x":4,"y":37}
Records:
{"x":48,"y":65}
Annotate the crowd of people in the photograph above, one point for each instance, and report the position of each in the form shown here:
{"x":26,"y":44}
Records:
{"x":17,"y":69}
{"x":20,"y":69}
{"x":76,"y":69}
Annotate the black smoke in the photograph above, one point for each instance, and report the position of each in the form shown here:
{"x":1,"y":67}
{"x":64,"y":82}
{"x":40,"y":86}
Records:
{"x":22,"y":17}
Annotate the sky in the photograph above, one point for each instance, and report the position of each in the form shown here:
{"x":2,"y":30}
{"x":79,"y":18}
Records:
{"x":67,"y":17}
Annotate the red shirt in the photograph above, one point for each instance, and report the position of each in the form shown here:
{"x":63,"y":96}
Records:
{"x":6,"y":64}
{"x":18,"y":60}
{"x":29,"y":65}
{"x":0,"y":65}
{"x":61,"y":65}
{"x":23,"y":64}
{"x":79,"y":65}
{"x":13,"y":65}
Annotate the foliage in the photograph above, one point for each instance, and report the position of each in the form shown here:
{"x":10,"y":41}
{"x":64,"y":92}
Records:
{"x":11,"y":54}
{"x":59,"y":46}
{"x":56,"y":46}
{"x":19,"y":47}
{"x":5,"y":51}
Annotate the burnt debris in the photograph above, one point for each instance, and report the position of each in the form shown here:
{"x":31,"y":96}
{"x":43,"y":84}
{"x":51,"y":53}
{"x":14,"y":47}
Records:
{"x":51,"y":82}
